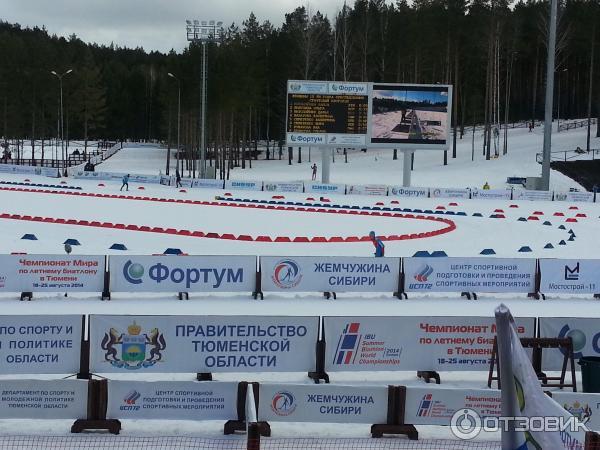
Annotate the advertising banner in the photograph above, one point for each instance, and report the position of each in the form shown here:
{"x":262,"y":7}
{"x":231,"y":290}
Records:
{"x":107,"y":176}
{"x":469,"y":275}
{"x":329,"y":274}
{"x":412,"y":343}
{"x":323,"y":403}
{"x":205,"y":183}
{"x":570,"y":276}
{"x":519,"y":194}
{"x":585,"y":334}
{"x":491,"y":194}
{"x":190,"y":344}
{"x":51,"y":273}
{"x":412,"y":192}
{"x":30,"y":170}
{"x":450,"y":193}
{"x":574,"y":197}
{"x":40,"y":344}
{"x":371,"y":189}
{"x":425,"y":406}
{"x":244,"y":185}
{"x":284,"y":187}
{"x":40,"y":399}
{"x":166,"y":273}
{"x":325,"y":188}
{"x":172,"y":400}
{"x":584,"y":406}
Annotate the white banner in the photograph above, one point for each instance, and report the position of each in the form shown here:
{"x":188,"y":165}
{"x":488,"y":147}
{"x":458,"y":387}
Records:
{"x":414,"y":192}
{"x":51,"y":273}
{"x":172,"y":400}
{"x":436,"y":406}
{"x":40,"y":344}
{"x":244,"y":185}
{"x":450,"y":193}
{"x":325,"y":188}
{"x":585,"y":334}
{"x":181,"y":344}
{"x":323,"y":403}
{"x":412,"y":343}
{"x":40,"y":399}
{"x":573,"y":196}
{"x":491,"y":194}
{"x":283,"y":187}
{"x":469,"y":275}
{"x":519,"y":194}
{"x":205,"y":183}
{"x":584,"y":406}
{"x":329,"y":274}
{"x":182,"y":273}
{"x":570,"y":276}
{"x":371,"y":189}
{"x":30,"y":170}
{"x":107,"y":176}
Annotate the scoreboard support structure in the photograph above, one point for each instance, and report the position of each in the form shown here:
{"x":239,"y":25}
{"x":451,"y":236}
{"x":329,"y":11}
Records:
{"x":407,"y":167}
{"x":325,"y":165}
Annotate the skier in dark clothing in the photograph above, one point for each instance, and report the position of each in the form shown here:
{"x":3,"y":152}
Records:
{"x":177,"y":179}
{"x":125,"y":183}
{"x":378,"y":243}
{"x":314,"y":171}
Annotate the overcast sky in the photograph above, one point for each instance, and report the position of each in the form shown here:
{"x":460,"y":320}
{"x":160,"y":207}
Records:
{"x":152,"y":24}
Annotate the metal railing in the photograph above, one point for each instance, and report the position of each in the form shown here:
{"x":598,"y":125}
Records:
{"x":578,"y":154}
{"x":576,"y":124}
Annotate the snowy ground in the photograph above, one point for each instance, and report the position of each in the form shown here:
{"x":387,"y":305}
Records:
{"x":472,"y":235}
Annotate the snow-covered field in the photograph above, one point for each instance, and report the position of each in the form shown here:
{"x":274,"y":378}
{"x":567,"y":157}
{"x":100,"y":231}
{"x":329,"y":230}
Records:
{"x":472,"y":235}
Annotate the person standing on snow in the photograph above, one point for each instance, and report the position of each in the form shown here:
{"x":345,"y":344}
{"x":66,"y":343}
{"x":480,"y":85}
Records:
{"x":177,"y":179}
{"x":378,"y":243}
{"x":125,"y":183}
{"x":314,"y":171}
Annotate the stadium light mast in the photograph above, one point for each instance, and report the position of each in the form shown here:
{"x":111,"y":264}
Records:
{"x":203,"y":32}
{"x":62,"y":125}
{"x":545,"y":181}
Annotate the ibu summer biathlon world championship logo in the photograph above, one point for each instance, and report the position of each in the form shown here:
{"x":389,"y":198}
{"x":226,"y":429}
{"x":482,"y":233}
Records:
{"x":137,"y":350}
{"x":283,"y":403}
{"x":286,"y":274}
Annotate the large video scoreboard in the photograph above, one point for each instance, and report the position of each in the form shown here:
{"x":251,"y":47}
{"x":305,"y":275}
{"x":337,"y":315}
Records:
{"x":337,"y":114}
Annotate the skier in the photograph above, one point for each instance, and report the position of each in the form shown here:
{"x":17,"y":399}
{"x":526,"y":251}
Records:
{"x":177,"y":179}
{"x":125,"y":183}
{"x":486,"y":186}
{"x":314,"y":171}
{"x":378,"y":243}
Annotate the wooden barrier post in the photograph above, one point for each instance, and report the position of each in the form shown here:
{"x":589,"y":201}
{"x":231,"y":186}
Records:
{"x":320,"y":347}
{"x":96,"y":415}
{"x":233,"y":426}
{"x":395,"y":416}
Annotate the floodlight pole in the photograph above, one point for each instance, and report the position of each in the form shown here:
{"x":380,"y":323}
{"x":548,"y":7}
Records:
{"x":203,"y":128}
{"x":203,"y":32}
{"x":545,"y":185}
{"x":62,"y":124}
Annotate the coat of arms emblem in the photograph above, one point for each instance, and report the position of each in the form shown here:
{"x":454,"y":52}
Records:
{"x":137,"y":350}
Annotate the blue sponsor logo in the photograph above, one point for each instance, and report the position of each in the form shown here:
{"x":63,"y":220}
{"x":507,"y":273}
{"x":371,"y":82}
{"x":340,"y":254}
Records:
{"x":133,"y":272}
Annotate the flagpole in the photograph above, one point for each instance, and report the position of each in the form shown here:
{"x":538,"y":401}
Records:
{"x":510,"y":439}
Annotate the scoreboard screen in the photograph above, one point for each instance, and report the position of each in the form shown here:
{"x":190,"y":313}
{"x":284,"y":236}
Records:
{"x":323,"y":113}
{"x":337,"y":114}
